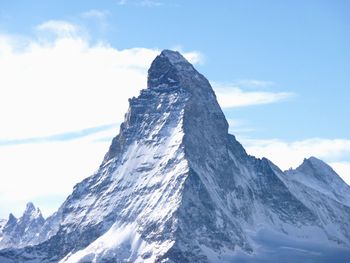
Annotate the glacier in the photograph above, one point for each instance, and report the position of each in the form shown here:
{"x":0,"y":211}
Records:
{"x":175,"y":186}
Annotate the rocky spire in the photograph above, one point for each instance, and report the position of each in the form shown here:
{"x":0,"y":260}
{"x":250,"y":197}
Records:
{"x":30,"y":208}
{"x":175,"y":88}
{"x":167,"y":70}
{"x":21,"y":231}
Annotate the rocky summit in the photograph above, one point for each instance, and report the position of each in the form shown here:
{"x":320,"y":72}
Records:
{"x":175,"y":186}
{"x":22,"y":231}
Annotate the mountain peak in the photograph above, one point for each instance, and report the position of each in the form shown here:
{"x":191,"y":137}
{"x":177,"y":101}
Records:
{"x":318,"y":175}
{"x":22,"y":231}
{"x":174,"y":57}
{"x":32,"y":212}
{"x":169,"y":69}
{"x":175,"y":90}
{"x":29,"y":207}
{"x":11,"y":218}
{"x":313,"y":159}
{"x":315,"y":164}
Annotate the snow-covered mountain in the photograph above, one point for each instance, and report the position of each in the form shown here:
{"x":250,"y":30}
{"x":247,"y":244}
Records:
{"x":174,"y":186}
{"x":317,"y":175}
{"x":22,"y":231}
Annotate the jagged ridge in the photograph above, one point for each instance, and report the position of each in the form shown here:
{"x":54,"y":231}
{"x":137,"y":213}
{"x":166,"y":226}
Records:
{"x":22,"y":231}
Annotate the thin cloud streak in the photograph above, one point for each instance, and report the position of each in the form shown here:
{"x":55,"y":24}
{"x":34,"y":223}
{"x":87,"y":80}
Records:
{"x":254,"y":83}
{"x":145,"y":3}
{"x":60,"y":27}
{"x":98,"y":17}
{"x":234,"y":96}
{"x":93,"y":13}
{"x":66,"y":136}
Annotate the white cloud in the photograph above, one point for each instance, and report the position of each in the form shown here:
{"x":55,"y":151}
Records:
{"x":234,"y":96}
{"x":33,"y":172}
{"x":255,"y":83}
{"x":146,"y":3}
{"x":93,"y":13}
{"x":98,"y":17}
{"x":150,"y":3}
{"x":238,"y":127}
{"x":59,"y":27}
{"x":343,"y":169}
{"x":122,"y":2}
{"x":335,"y":152}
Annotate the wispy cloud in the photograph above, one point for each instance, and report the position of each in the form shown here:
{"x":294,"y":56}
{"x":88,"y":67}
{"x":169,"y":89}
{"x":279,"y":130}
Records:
{"x":99,"y":17}
{"x":59,"y":27}
{"x":231,"y":96}
{"x":239,"y":127}
{"x":146,"y":3}
{"x":66,"y":136}
{"x":122,"y":2}
{"x":93,"y":13}
{"x":254,"y":83}
{"x":151,"y":3}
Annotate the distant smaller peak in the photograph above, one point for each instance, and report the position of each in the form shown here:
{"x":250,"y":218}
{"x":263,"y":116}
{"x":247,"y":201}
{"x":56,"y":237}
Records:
{"x":32,"y":211}
{"x":11,"y":216}
{"x":309,"y":164}
{"x":11,"y":219}
{"x":314,"y":161}
{"x":30,"y":207}
{"x":313,"y":165}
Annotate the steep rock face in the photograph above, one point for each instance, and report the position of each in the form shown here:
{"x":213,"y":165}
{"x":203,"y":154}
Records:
{"x":176,"y":187}
{"x":21,"y":232}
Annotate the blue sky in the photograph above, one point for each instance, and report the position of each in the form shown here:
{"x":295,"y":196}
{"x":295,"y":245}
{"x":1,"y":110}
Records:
{"x":280,"y":70}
